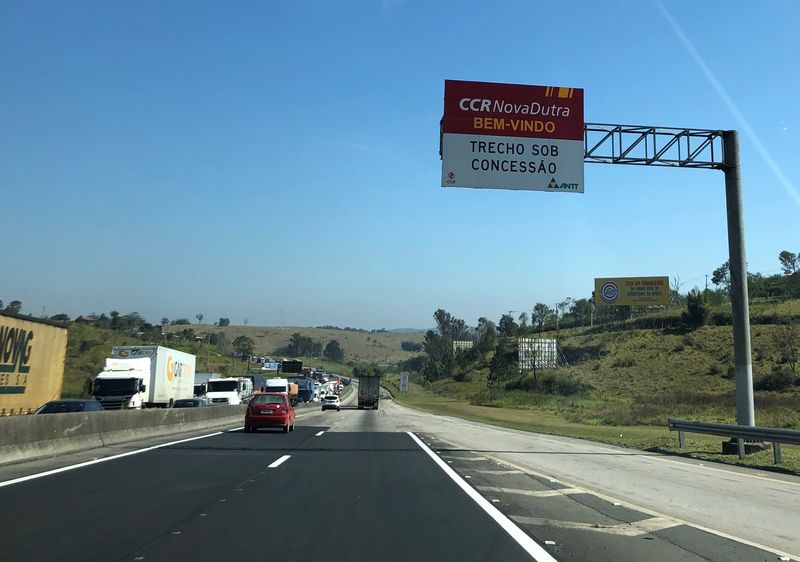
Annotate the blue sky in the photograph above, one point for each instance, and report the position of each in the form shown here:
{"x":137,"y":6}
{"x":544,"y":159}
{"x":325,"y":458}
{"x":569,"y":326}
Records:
{"x":278,"y":161}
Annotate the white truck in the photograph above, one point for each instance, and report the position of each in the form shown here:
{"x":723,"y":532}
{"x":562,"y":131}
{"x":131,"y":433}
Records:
{"x":144,"y":376}
{"x":229,"y":390}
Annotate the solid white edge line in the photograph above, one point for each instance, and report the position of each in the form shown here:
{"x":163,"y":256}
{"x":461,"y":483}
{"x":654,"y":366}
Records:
{"x":319,"y":433}
{"x":280,"y":461}
{"x":527,"y":543}
{"x":104,"y":459}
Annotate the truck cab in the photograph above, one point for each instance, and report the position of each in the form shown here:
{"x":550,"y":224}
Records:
{"x":229,"y":390}
{"x":123,"y":383}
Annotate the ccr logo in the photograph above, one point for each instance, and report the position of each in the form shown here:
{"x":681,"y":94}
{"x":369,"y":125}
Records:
{"x":609,"y":292}
{"x":170,"y":368}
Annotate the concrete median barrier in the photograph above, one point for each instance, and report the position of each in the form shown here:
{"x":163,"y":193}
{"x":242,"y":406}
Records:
{"x":28,"y":437}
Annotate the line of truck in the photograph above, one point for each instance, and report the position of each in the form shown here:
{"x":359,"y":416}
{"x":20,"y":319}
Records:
{"x":32,"y":355}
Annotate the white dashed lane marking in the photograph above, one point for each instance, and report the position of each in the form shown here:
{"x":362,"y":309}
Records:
{"x":280,"y":461}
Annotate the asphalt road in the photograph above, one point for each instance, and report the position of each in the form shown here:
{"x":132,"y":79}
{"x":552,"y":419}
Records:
{"x":349,"y":485}
{"x":357,"y":494}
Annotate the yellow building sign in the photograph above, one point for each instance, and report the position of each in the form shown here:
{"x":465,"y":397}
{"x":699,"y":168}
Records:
{"x":631,"y":291}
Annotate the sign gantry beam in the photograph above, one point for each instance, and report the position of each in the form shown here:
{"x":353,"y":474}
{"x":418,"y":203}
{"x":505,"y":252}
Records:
{"x":653,"y":146}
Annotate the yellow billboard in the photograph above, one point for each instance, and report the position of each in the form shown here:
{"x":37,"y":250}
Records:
{"x":31,"y":363}
{"x":631,"y":291}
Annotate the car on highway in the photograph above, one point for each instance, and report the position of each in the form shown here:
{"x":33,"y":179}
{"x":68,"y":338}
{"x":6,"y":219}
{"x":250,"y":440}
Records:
{"x":70,"y":405}
{"x":191,"y":403}
{"x":269,"y":409}
{"x":331,"y":402}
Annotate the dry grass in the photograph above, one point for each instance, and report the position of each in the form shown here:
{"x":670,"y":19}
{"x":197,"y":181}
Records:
{"x":655,"y":438}
{"x":378,"y":347}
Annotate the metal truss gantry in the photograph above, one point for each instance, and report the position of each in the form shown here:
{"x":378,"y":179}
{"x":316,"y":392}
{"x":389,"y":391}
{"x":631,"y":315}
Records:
{"x":653,"y":146}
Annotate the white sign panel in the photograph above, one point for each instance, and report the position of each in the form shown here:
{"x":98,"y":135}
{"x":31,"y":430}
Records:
{"x":508,"y":136}
{"x":536,"y":353}
{"x":404,"y":381}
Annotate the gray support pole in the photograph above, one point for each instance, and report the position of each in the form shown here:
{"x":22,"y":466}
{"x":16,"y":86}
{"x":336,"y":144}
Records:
{"x":745,"y":412}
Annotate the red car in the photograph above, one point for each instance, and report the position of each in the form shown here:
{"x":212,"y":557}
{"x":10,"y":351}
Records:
{"x":269,"y":409}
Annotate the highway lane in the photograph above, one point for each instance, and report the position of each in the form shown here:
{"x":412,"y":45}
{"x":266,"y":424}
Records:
{"x":750,"y":505}
{"x":216,"y":498}
{"x":343,"y":472}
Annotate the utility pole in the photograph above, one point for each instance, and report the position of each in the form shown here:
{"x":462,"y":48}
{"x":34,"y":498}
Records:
{"x":694,"y":148}
{"x":745,"y":411}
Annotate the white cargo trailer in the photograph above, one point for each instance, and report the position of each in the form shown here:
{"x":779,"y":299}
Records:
{"x":144,"y":376}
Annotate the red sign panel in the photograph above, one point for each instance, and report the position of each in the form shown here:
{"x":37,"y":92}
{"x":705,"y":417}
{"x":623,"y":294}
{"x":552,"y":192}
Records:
{"x":511,"y":110}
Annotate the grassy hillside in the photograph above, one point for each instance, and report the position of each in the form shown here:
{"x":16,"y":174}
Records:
{"x":88,"y":346}
{"x":377,"y":347}
{"x":642,"y":377}
{"x":631,"y":379}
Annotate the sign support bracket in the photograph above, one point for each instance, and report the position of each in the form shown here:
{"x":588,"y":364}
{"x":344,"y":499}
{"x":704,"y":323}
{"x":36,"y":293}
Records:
{"x":715,"y":150}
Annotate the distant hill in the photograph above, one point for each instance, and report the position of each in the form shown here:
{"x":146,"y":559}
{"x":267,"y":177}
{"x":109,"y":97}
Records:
{"x":377,"y":347}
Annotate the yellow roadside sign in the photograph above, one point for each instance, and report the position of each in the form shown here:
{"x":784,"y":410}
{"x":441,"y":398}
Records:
{"x":631,"y":291}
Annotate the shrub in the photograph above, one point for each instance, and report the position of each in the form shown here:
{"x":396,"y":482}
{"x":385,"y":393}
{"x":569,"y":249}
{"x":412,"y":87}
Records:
{"x":410,"y":346}
{"x":629,"y":362}
{"x":779,"y":379}
{"x":696,"y":312}
{"x":557,"y":383}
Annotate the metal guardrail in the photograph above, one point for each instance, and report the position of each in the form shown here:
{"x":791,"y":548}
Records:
{"x":741,"y":433}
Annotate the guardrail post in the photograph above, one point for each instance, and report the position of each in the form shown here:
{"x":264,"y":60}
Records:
{"x":776,"y":451}
{"x":740,"y":442}
{"x":681,"y":439}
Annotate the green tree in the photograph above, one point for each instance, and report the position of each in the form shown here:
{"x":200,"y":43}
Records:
{"x":199,"y":318}
{"x":243,"y":347}
{"x":103,"y":321}
{"x":440,"y":356}
{"x":789,"y":262}
{"x":696,"y":312}
{"x":450,"y":326}
{"x":582,"y":310}
{"x":487,"y":335}
{"x":164,"y":321}
{"x":222,"y":342}
{"x":542,"y":314}
{"x":721,"y":276}
{"x":224,"y":322}
{"x":367,"y":370}
{"x":507,"y":328}
{"x":14,"y":307}
{"x":503,"y":365}
{"x":334,"y":351}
